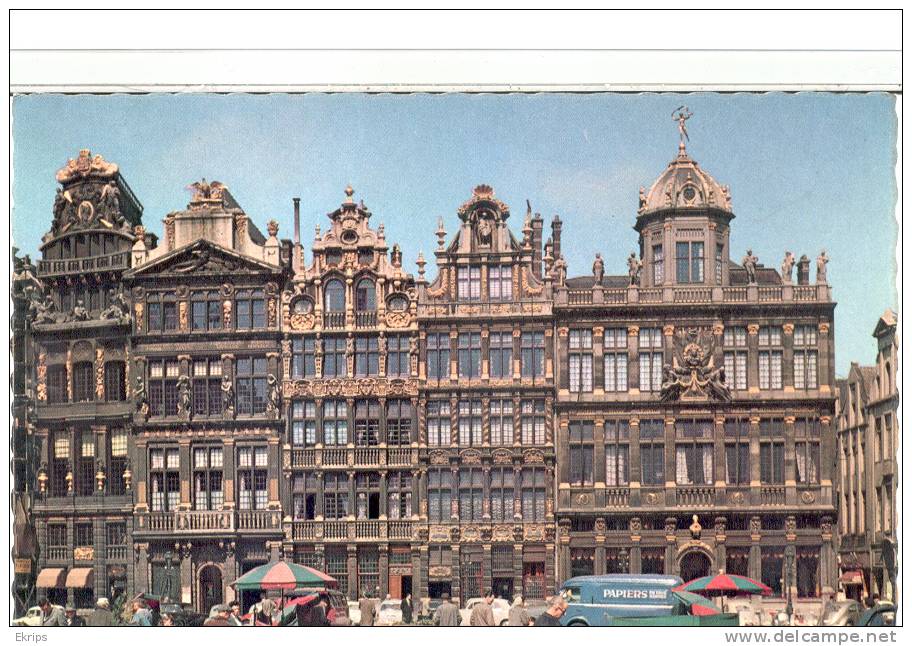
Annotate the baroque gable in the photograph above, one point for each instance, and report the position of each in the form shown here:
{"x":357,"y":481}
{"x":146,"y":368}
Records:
{"x":203,"y":258}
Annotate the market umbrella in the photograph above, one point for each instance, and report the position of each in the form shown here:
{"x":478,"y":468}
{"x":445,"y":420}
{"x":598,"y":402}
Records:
{"x":725,"y":584}
{"x":283,"y":575}
{"x":697,"y":605}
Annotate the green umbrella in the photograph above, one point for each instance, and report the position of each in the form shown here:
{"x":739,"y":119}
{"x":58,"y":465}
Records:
{"x":283,"y":575}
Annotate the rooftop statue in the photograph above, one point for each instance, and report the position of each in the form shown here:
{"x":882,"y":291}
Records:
{"x":787,"y":264}
{"x":634,"y":267}
{"x":822,"y":261}
{"x":681,"y":115}
{"x":598,"y":269}
{"x":749,"y":262}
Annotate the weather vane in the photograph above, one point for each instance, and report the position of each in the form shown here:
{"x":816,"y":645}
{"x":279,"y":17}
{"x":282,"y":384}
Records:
{"x":681,"y":114}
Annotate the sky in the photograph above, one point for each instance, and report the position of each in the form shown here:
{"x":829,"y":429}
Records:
{"x":807,"y":170}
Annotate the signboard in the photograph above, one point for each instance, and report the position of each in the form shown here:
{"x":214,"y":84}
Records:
{"x":22,"y":566}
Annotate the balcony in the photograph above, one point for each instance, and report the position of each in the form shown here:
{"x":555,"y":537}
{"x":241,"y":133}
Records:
{"x":690,"y":294}
{"x":209,"y":522}
{"x":367,"y":457}
{"x":117,"y":552}
{"x":473,"y":309}
{"x":400,"y":457}
{"x":365,"y":319}
{"x":58,"y":553}
{"x":91,"y":264}
{"x":334,"y":320}
{"x":772,"y":496}
{"x":617,"y":497}
{"x":695,"y":496}
{"x":348,"y":530}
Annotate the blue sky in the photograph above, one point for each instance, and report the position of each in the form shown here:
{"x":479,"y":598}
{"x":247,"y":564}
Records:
{"x":806,"y":171}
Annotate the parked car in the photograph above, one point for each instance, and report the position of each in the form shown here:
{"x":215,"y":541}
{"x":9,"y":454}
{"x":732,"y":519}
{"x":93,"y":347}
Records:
{"x":337,"y":602}
{"x":598,"y":600}
{"x":389,"y":613}
{"x":500,"y":607}
{"x":32,"y":617}
{"x":880,"y":615}
{"x":354,"y":613}
{"x":841,"y":613}
{"x":182,"y":614}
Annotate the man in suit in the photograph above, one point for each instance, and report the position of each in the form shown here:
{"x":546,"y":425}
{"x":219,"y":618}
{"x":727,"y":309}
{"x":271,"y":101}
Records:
{"x":51,"y":615}
{"x":71,"y":619}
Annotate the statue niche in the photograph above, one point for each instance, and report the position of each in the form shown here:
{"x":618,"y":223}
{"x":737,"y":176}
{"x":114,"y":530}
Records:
{"x":693,"y":374}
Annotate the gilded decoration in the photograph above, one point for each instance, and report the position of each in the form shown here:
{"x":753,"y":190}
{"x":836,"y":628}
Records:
{"x":85,"y":165}
{"x":533,"y":456}
{"x":651,"y":498}
{"x":736,"y":498}
{"x":533,"y":532}
{"x":303,"y":321}
{"x":226,"y":314}
{"x":502,"y":534}
{"x":501,"y":456}
{"x":41,"y":370}
{"x":99,"y":374}
{"x":439,"y":457}
{"x":470,"y":534}
{"x":439,"y":534}
{"x":351,"y":387}
{"x":583,"y":500}
{"x":470,"y":456}
{"x":83,"y":553}
{"x":397,"y":319}
{"x":272,"y":312}
{"x":183,"y":315}
{"x":440,"y":571}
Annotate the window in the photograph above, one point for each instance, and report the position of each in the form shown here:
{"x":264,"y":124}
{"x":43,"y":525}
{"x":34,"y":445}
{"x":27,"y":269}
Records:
{"x":399,"y":494}
{"x":365,"y":296}
{"x":805,"y":357}
{"x":251,"y":475}
{"x":807,"y":451}
{"x":501,"y":355}
{"x":615,"y":345}
{"x":398,"y":422}
{"x":367,"y":492}
{"x":57,"y":535}
{"x":650,"y":359}
{"x":335,"y":496}
{"x":652,"y":451}
{"x":580,"y":361}
{"x":163,"y":376}
{"x":689,"y":262}
{"x":116,"y":533}
{"x":532,"y":347}
{"x":334,"y":296}
{"x":303,"y":423}
{"x":118,"y":463}
{"x":164,"y":476}
{"x":250,"y":382}
{"x":469,"y":354}
{"x":85,"y":464}
{"x":771,"y":571}
{"x":60,"y":463}
{"x":617,"y":462}
{"x":83,"y":535}
{"x":206,"y":310}
{"x":440,"y":491}
{"x":250,"y":308}
{"x":207,"y":478}
{"x":161,"y":310}
{"x":532,"y":419}
{"x":734,"y":341}
{"x":57,"y":384}
{"x":471,"y":494}
{"x":304,"y":490}
{"x":769,"y":338}
{"x":337,"y":567}
{"x":582,"y":452}
{"x":438,"y":355}
{"x":582,"y":561}
{"x":335,"y":422}
{"x":502,"y":494}
{"x":501,"y":420}
{"x":470,"y":422}
{"x":303,"y":358}
{"x":367,"y":422}
{"x":207,"y":387}
{"x":500,"y":282}
{"x":737,"y":451}
{"x":83,"y":381}
{"x":533,"y":494}
{"x":694,"y":452}
{"x":720,"y":249}
{"x":658,"y":264}
{"x":397,"y":356}
{"x":438,"y":423}
{"x":772,"y":451}
{"x":367,"y":356}
{"x":469,"y":283}
{"x":115,"y":381}
{"x":334,"y":357}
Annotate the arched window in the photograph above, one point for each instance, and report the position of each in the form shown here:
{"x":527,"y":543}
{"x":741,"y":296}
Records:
{"x":334,"y":296}
{"x":365,"y":296}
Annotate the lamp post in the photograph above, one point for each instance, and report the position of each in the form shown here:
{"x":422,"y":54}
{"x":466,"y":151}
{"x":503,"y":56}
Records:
{"x":624,"y":561}
{"x":789,"y":568}
{"x":169,"y":567}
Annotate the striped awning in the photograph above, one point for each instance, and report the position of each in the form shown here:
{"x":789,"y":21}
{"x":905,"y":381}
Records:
{"x":80,"y":577}
{"x":50,"y":577}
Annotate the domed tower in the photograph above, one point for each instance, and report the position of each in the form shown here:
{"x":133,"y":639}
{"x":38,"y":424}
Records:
{"x":683,"y":222}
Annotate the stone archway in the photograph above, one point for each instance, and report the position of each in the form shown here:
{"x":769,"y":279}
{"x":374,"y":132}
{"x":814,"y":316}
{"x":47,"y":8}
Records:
{"x":693,"y":564}
{"x":210,"y":588}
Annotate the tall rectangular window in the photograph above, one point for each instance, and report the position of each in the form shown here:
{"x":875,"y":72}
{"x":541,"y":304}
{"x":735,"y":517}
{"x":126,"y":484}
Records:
{"x":471,"y":494}
{"x":206,"y":310}
{"x":367,"y":422}
{"x":720,"y":250}
{"x":769,"y":339}
{"x":334,"y":364}
{"x":250,"y":384}
{"x":85,"y":464}
{"x":207,"y":478}
{"x":470,"y":422}
{"x":118,"y":464}
{"x":502,"y":494}
{"x":335,"y":422}
{"x":689,"y":262}
{"x":251,"y":474}
{"x":398,"y":422}
{"x":57,"y":384}
{"x":304,"y":490}
{"x":164,"y":479}
{"x":303,"y":358}
{"x":250,"y":309}
{"x":303,"y":423}
{"x":399,"y":494}
{"x":469,"y":353}
{"x":115,"y":381}
{"x":501,"y":355}
{"x":734,"y":342}
{"x":438,"y":355}
{"x":397,"y":356}
{"x":652,"y":451}
{"x":807,"y":451}
{"x":658,"y":264}
{"x":501,"y":421}
{"x":737,"y":451}
{"x":367,"y":492}
{"x":469,"y":283}
{"x":438,"y":423}
{"x":161,"y":308}
{"x":83,"y":381}
{"x":694,"y":452}
{"x":580,"y":361}
{"x":60,"y":463}
{"x":805,"y":357}
{"x":650,"y":345}
{"x":615,"y":345}
{"x":162,"y":382}
{"x":532,"y":348}
{"x":533,"y":494}
{"x":582,"y":453}
{"x":617,"y":439}
{"x":367,"y":356}
{"x":772,"y":451}
{"x":440,"y":492}
{"x":532,"y":420}
{"x":207,"y":387}
{"x":500,"y":282}
{"x":335,"y":496}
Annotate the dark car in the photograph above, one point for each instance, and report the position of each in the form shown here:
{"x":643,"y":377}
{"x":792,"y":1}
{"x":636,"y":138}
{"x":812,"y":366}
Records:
{"x":337,"y":602}
{"x":880,"y":615}
{"x":182,"y":615}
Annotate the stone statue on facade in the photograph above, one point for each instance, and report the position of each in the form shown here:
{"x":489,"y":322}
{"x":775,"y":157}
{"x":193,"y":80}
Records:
{"x":79,"y":313}
{"x":396,"y":256}
{"x":63,"y":202}
{"x":693,"y":372}
{"x":184,"y":397}
{"x":598,"y":269}
{"x":787,"y":264}
{"x":140,"y":399}
{"x":118,"y":310}
{"x":274,"y":396}
{"x":749,"y":262}
{"x":642,"y":205}
{"x":822,"y":261}
{"x":109,"y":202}
{"x":634,"y":267}
{"x":560,"y":271}
{"x":696,"y":529}
{"x":42,"y":308}
{"x":227,"y":396}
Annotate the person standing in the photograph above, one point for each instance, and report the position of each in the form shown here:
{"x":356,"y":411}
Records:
{"x":102,"y":615}
{"x":51,"y":615}
{"x":234,"y":616}
{"x":368,"y":609}
{"x":447,"y":614}
{"x":519,"y":616}
{"x":142,"y":616}
{"x":556,"y":609}
{"x":482,"y":613}
{"x":406,"y":607}
{"x":72,"y":620}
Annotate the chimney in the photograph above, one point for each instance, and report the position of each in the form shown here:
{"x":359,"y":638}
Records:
{"x":556,"y":225}
{"x":537,"y":225}
{"x":296,"y":261}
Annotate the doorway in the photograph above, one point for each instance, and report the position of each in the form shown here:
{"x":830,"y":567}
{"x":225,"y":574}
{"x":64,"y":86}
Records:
{"x":210,"y":579}
{"x":695,"y":564}
{"x":503,"y":588}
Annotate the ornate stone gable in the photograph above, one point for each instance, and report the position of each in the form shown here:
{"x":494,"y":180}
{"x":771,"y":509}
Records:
{"x":203,"y":258}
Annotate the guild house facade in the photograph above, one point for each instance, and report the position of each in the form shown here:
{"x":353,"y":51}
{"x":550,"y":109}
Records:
{"x":189,"y":408}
